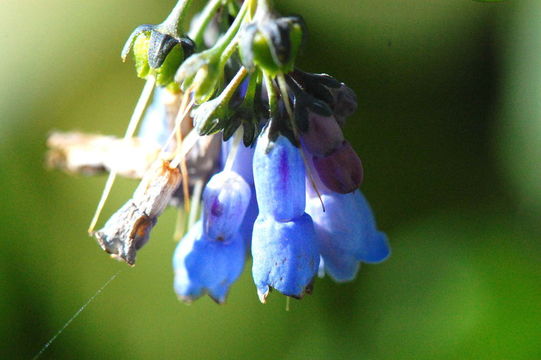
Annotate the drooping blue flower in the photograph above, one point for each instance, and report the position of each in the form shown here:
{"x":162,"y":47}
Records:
{"x":206,"y":265}
{"x":284,"y":247}
{"x":225,"y":200}
{"x":285,"y":256}
{"x":211,"y":256}
{"x":243,"y":165}
{"x":346,"y":231}
{"x":279,"y":178}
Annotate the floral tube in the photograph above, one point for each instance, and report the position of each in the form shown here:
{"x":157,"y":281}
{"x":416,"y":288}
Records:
{"x":211,"y":256}
{"x":284,"y":247}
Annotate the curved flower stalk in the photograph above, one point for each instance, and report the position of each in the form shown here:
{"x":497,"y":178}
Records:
{"x":260,"y":162}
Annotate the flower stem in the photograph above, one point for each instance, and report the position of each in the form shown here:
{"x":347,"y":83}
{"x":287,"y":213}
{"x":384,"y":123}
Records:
{"x":234,"y":149}
{"x":205,"y":17}
{"x":175,"y":19}
{"x":229,"y":36}
{"x":132,"y":126}
{"x":230,"y":89}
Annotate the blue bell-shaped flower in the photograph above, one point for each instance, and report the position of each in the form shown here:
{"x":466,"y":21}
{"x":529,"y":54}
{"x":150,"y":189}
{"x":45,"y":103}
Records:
{"x":243,"y":165}
{"x":279,"y":178}
{"x":284,"y":247}
{"x":346,"y":233}
{"x":285,"y":256}
{"x":158,"y":121}
{"x":211,"y":256}
{"x":206,"y":265}
{"x":225,"y":200}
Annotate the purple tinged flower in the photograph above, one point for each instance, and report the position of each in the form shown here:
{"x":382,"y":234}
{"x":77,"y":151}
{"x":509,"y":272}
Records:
{"x":211,"y":256}
{"x":341,"y":170}
{"x":285,"y":256}
{"x":225,"y":200}
{"x":284,"y":247}
{"x":243,"y":165}
{"x":205,"y":265}
{"x":279,"y":178}
{"x":323,"y":136}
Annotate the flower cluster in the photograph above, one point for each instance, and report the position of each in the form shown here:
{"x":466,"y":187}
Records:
{"x":282,"y":183}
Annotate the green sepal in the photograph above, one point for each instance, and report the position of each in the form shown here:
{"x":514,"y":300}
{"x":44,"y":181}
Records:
{"x":272,"y":45}
{"x":165,"y":74}
{"x":140,"y":54}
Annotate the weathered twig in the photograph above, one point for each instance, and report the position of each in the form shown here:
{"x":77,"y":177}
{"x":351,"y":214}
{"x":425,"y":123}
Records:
{"x":92,"y":154}
{"x":129,"y":228}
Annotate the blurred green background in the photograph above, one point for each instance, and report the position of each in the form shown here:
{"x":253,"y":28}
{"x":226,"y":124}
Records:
{"x":448,"y":127}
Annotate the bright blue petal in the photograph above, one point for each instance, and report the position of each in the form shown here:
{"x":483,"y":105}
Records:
{"x":374,"y":245}
{"x":346,"y":233}
{"x":247,"y":226}
{"x":225,"y":200}
{"x":242,"y":164}
{"x":204,"y":265}
{"x":279,"y":178}
{"x":285,"y":255}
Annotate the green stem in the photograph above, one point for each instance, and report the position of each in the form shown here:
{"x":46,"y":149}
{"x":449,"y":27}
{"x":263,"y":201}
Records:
{"x":175,"y":19}
{"x":228,"y":52}
{"x":228,"y":37}
{"x":272,"y":94}
{"x":230,"y":89}
{"x":205,"y":17}
{"x":250,"y":91}
{"x":282,"y":85}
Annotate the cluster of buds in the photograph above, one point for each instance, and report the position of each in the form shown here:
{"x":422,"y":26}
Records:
{"x":250,"y":149}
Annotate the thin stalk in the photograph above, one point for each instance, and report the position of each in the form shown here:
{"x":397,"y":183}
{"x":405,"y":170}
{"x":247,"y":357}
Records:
{"x":205,"y":17}
{"x":132,"y":126}
{"x":234,"y":149}
{"x":176,"y":18}
{"x":196,"y":201}
{"x":228,"y":37}
{"x":230,"y":89}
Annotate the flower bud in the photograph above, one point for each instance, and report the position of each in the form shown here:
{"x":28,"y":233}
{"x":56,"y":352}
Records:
{"x":279,"y":178}
{"x":323,"y":136}
{"x":243,"y":162}
{"x":225,"y":200}
{"x":204,"y":265}
{"x":341,"y":171}
{"x":272,"y":44}
{"x":159,"y":55}
{"x":285,"y":255}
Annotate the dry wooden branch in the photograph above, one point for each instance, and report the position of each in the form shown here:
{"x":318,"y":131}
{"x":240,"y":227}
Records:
{"x":129,"y":228}
{"x":92,"y":154}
